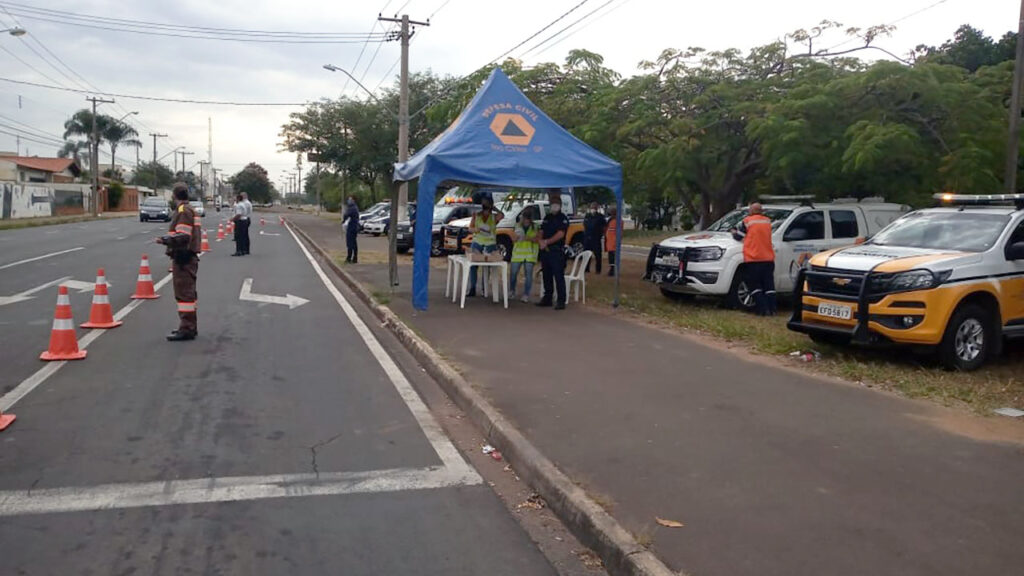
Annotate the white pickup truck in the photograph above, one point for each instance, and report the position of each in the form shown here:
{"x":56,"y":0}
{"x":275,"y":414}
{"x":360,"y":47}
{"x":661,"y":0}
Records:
{"x":709,"y":262}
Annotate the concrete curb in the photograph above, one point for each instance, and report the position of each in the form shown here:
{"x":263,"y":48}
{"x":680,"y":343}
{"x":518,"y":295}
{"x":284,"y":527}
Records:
{"x":590,"y":523}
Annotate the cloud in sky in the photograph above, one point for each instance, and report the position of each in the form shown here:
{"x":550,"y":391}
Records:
{"x":464,"y":34}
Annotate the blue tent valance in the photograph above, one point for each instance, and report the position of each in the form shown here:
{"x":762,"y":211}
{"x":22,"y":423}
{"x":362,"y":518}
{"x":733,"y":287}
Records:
{"x":501,"y":139}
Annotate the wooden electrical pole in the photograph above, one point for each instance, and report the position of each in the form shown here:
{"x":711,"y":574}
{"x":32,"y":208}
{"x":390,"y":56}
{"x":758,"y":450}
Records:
{"x":155,"y":136}
{"x":95,"y":155}
{"x":400,"y":194}
{"x":1013,"y":142}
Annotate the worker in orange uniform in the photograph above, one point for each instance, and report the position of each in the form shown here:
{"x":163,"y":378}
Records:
{"x":755,"y":231}
{"x":183,"y":247}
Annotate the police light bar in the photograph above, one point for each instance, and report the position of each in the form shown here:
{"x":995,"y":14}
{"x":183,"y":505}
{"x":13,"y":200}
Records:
{"x":980,"y":199}
{"x":786,"y":198}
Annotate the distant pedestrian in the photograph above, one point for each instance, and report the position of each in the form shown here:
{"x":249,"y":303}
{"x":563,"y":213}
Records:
{"x":755,"y":231}
{"x":552,"y":253}
{"x":183,"y":247}
{"x":594,"y":225}
{"x":610,"y":234}
{"x":241,"y":226}
{"x":524,"y":254}
{"x":350,"y":222}
{"x":248,"y":222}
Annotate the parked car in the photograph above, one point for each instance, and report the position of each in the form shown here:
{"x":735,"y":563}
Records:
{"x":380,"y":225}
{"x":197,"y":205}
{"x":948,"y":278}
{"x":154,"y":208}
{"x":442,"y":215}
{"x":710,"y":262}
{"x":457,"y":235}
{"x":371,"y":213}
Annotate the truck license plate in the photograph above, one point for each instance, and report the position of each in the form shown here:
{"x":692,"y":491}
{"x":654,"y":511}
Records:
{"x":400,"y":236}
{"x":835,"y":311}
{"x":672,"y":261}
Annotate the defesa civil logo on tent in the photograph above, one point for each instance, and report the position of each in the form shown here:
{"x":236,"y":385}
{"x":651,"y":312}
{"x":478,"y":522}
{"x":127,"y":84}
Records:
{"x":512,"y":126}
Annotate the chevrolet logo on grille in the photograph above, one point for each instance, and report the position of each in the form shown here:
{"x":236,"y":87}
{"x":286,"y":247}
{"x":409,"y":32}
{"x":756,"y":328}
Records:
{"x":841,"y":281}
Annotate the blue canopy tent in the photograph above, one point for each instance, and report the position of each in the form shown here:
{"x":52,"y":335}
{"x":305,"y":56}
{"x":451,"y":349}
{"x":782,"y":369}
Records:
{"x":502,"y":139}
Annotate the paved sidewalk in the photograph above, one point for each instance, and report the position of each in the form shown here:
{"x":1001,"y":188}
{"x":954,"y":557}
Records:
{"x":771,"y":471}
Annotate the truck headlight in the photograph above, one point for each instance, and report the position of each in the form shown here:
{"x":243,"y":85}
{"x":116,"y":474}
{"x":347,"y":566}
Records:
{"x":706,"y":254}
{"x":908,"y":281}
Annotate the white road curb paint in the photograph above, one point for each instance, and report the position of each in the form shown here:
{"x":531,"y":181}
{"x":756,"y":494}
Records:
{"x":291,"y":301}
{"x":32,"y":382}
{"x":50,"y":255}
{"x":445,"y":450}
{"x":230,"y":489}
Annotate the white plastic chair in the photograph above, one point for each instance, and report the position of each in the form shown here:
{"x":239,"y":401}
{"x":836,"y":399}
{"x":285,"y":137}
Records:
{"x":575,"y":280}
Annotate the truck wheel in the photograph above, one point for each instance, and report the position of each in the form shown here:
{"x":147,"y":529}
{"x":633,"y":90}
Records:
{"x":436,"y":246}
{"x":505,"y":248}
{"x":739,"y":297}
{"x":677,"y":296}
{"x":576,"y":245}
{"x":968,"y":339}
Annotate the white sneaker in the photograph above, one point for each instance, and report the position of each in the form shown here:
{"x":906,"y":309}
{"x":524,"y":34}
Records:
{"x":525,"y":299}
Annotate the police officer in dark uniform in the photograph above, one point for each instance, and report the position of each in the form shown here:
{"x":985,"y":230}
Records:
{"x":552,"y":252}
{"x":183,"y":247}
{"x":594,"y":225}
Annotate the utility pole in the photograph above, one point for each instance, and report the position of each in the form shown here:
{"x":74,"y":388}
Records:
{"x":400,"y":195}
{"x":1013,"y":143}
{"x":155,"y":136}
{"x":183,"y":154}
{"x":95,"y":154}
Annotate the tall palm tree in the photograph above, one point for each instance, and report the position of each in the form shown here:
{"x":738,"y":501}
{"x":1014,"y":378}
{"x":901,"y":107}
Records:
{"x":117,"y":133}
{"x":73,"y":149}
{"x":80,"y":124}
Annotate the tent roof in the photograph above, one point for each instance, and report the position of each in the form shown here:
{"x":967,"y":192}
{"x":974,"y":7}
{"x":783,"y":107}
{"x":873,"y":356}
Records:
{"x":502,"y":138}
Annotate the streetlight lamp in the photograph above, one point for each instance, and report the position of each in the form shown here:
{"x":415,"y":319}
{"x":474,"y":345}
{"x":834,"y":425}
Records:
{"x":333,"y":68}
{"x":16,"y":31}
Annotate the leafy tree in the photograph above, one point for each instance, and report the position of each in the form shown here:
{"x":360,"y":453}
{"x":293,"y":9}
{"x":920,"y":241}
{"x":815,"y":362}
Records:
{"x":145,"y":173}
{"x":970,"y":48}
{"x":253,"y":181}
{"x":73,"y":149}
{"x":118,"y":133}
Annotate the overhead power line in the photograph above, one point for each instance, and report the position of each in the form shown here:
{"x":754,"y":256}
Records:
{"x":578,"y":30}
{"x":153,"y":98}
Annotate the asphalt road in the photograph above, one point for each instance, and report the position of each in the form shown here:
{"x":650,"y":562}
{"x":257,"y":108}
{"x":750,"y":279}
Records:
{"x":283,"y":440}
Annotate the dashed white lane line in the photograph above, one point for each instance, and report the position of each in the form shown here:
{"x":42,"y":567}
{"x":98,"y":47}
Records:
{"x":50,"y":255}
{"x":431,"y":429}
{"x":230,"y":489}
{"x":32,"y":382}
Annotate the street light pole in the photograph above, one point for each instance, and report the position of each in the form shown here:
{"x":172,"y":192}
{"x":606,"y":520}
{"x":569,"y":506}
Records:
{"x":155,"y":136}
{"x":96,"y":154}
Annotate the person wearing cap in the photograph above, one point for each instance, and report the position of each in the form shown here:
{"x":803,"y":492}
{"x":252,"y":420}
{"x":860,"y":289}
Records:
{"x":524,"y":254}
{"x":552,"y":253}
{"x":484,"y":227}
{"x":755,"y":231}
{"x":183,"y":247}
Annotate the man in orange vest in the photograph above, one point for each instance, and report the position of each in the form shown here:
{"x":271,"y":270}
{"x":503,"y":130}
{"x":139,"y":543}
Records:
{"x":755,"y":231}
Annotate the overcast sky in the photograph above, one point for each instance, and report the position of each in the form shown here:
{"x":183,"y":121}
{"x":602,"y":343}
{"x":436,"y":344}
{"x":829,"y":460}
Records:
{"x":464,"y":35}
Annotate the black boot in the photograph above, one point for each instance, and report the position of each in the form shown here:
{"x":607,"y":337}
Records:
{"x":180,"y":335}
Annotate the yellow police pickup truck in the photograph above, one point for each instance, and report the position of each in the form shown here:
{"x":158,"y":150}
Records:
{"x":950,"y":278}
{"x":457,"y":236}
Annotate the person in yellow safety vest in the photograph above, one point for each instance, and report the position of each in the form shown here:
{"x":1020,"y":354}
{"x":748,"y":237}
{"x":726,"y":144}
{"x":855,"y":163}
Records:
{"x":755,"y":231}
{"x":524,"y":255}
{"x":484,"y":227}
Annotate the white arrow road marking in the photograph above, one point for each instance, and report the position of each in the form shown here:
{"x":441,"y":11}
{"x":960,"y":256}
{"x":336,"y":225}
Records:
{"x":291,"y":301}
{"x":27,"y":260}
{"x":262,"y":233}
{"x":83,"y":286}
{"x":28,"y":294}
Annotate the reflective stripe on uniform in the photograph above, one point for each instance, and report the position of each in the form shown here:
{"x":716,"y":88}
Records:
{"x":183,"y":229}
{"x":526,"y":250}
{"x":186,"y":306}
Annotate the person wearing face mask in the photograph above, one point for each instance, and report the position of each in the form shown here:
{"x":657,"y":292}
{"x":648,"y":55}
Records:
{"x":484,"y":227}
{"x":552,"y":253}
{"x":593,"y":229}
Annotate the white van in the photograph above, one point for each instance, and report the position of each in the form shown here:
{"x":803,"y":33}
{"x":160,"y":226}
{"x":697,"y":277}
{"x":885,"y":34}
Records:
{"x":709,"y":262}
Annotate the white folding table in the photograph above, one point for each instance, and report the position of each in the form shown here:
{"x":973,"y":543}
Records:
{"x":458,"y":269}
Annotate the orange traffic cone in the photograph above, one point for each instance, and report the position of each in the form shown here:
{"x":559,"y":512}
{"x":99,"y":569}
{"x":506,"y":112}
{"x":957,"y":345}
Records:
{"x":6,"y":420}
{"x":280,"y":220}
{"x":220,"y":232}
{"x":101,"y":316}
{"x":263,"y":221}
{"x":206,"y":243}
{"x":63,"y":343}
{"x":144,"y":289}
{"x":231,"y":227}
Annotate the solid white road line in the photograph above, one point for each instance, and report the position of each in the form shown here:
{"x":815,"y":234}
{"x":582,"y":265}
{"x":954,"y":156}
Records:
{"x":50,"y":255}
{"x":231,"y":489}
{"x":444,"y":448}
{"x":32,"y":382}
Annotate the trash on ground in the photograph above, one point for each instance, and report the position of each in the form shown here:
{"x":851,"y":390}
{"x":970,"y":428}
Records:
{"x":808,"y":356}
{"x":496,"y":455}
{"x":534,"y":502}
{"x":507,"y":468}
{"x":588,"y":558}
{"x":1011,"y":412}
{"x":668,"y":523}
{"x":487,"y":449}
